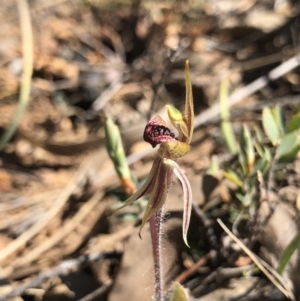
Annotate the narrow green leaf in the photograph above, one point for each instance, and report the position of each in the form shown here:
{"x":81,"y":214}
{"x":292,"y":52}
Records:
{"x":263,"y":151}
{"x":213,"y":166}
{"x":270,"y":126}
{"x":267,"y":154}
{"x":288,"y":253}
{"x":277,"y":114}
{"x":243,"y":161}
{"x":233,"y":177}
{"x":258,"y":134}
{"x":115,"y":148}
{"x":294,"y":123}
{"x":259,"y":148}
{"x":247,"y":148}
{"x":229,"y":137}
{"x":179,"y":293}
{"x":226,"y":125}
{"x":261,"y":165}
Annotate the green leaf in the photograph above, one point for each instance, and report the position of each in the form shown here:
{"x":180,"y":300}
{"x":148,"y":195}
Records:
{"x":179,"y":293}
{"x":247,"y":148}
{"x":294,"y":123}
{"x":226,"y":125}
{"x":259,"y":148}
{"x":233,"y":177}
{"x":115,"y":148}
{"x":291,"y":155}
{"x":247,"y":200}
{"x":239,"y":196}
{"x":258,"y":134}
{"x":213,"y":166}
{"x":288,"y":252}
{"x":267,"y":154}
{"x":261,"y":165}
{"x":242,"y":161}
{"x":277,"y":114}
{"x":287,"y":143}
{"x":270,"y":126}
{"x":288,"y":147}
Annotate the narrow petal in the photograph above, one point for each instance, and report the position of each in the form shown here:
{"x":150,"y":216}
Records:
{"x":159,"y":193}
{"x":187,"y":200}
{"x":145,"y":189}
{"x":189,"y":105}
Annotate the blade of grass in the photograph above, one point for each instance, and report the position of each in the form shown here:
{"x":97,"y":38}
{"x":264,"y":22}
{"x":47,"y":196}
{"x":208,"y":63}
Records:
{"x":287,"y":254}
{"x":271,"y":274}
{"x":27,"y":49}
{"x":248,"y":90}
{"x":226,"y":125}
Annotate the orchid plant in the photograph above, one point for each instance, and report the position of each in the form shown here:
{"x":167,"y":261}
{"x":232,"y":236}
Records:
{"x":164,"y":168}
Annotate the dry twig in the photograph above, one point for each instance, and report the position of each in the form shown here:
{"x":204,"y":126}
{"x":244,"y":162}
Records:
{"x":270,"y":273}
{"x":53,"y":211}
{"x":63,"y":232}
{"x":63,"y":268}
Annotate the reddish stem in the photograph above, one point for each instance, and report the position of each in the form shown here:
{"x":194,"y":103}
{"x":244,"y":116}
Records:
{"x":155,"y":229}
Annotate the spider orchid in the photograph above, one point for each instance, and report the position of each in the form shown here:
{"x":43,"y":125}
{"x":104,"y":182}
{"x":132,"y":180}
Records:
{"x":171,"y":148}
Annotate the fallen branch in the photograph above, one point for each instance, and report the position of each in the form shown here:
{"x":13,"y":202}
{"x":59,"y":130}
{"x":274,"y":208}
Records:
{"x":248,"y":90}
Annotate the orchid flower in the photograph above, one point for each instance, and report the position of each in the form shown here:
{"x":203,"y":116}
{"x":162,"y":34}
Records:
{"x":171,"y":148}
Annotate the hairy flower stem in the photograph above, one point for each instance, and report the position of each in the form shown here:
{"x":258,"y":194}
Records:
{"x":155,"y":229}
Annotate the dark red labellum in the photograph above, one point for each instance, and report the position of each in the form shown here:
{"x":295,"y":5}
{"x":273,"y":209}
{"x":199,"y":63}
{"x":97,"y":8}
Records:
{"x":156,"y":133}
